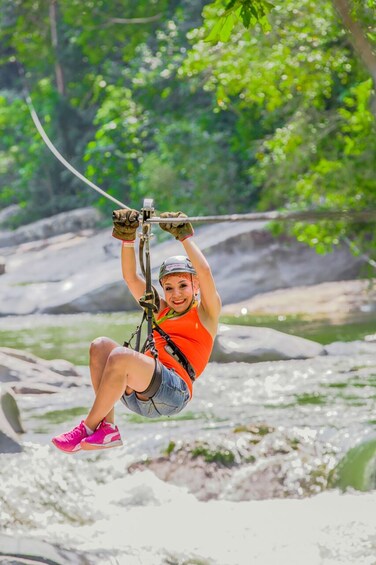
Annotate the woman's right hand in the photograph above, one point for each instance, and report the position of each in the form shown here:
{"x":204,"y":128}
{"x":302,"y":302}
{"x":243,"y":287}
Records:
{"x":125,"y":222}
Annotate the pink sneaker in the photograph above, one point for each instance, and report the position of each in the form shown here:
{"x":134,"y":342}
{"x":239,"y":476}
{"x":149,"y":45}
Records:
{"x":71,"y":441}
{"x":105,"y":436}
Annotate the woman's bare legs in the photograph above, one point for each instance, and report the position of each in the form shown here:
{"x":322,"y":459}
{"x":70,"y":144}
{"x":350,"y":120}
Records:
{"x":123,"y":368}
{"x":100,"y":349}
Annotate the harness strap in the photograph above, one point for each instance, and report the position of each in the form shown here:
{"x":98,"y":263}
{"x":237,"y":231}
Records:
{"x":176,"y":352}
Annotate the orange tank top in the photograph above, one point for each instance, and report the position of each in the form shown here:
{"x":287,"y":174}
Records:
{"x":192,"y":338}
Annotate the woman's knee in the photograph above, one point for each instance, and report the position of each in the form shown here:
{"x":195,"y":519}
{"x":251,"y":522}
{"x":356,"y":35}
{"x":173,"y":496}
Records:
{"x":128,"y":360}
{"x":119,"y":355}
{"x":102,"y":346}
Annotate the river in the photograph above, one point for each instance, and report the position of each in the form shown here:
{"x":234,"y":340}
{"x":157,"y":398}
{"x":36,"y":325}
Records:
{"x":252,"y":465}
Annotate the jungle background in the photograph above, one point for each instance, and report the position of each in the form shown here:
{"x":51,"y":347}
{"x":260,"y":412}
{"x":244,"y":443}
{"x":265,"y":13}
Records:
{"x":210,"y":108}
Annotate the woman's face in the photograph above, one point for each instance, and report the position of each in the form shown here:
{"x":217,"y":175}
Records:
{"x":179,"y":290}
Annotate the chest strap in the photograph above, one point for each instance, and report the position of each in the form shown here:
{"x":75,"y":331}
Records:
{"x":175,"y":352}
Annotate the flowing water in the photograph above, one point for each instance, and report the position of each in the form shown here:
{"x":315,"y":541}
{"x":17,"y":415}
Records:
{"x":252,"y":464}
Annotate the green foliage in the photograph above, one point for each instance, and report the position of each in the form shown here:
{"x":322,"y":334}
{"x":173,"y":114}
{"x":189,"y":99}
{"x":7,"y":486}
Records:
{"x":249,"y":12}
{"x":223,"y":457}
{"x":125,"y":114}
{"x":316,"y":147}
{"x":188,"y":169}
{"x":251,"y":104}
{"x":113,"y":154}
{"x":169,"y":449}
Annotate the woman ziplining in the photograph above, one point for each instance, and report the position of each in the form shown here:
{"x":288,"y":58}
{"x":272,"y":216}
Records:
{"x":158,"y":381}
{"x":147,"y":385}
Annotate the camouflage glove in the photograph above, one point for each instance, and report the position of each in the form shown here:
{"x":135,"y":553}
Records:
{"x":180,"y":231}
{"x":126,"y":223}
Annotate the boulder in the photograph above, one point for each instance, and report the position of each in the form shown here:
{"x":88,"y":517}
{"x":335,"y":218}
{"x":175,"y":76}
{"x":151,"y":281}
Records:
{"x":17,"y":550}
{"x":24,"y":373}
{"x":254,"y":261}
{"x":2,"y":265}
{"x":28,"y":374}
{"x":328,"y":299}
{"x":8,"y":444}
{"x":71,"y":221}
{"x":253,"y":344}
{"x":60,"y":366}
{"x":10,"y":410}
{"x":10,"y":422}
{"x":351,"y":348}
{"x":80,"y":271}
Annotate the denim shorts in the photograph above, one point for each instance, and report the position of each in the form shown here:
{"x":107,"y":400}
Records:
{"x":171,"y":397}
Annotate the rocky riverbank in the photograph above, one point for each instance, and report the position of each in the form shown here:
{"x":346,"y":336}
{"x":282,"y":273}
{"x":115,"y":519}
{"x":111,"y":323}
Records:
{"x":47,"y":271}
{"x":333,"y":300}
{"x":22,"y":373}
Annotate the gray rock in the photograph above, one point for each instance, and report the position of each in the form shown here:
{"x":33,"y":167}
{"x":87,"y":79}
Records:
{"x":72,"y":221}
{"x":253,"y":344}
{"x":255,"y":262}
{"x":351,"y":348}
{"x":60,"y":366}
{"x":2,"y":265}
{"x":28,"y":374}
{"x":8,"y":444}
{"x":80,"y":272}
{"x":334,"y":300}
{"x":10,"y":422}
{"x":10,"y":411}
{"x":34,"y":388}
{"x":25,"y":373}
{"x":19,"y":550}
{"x":111,"y":297}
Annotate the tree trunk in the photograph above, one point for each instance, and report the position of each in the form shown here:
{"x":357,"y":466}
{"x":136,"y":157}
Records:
{"x":357,"y":37}
{"x":59,"y":74}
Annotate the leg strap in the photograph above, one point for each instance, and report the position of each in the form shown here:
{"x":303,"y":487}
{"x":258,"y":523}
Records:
{"x":155,"y":382}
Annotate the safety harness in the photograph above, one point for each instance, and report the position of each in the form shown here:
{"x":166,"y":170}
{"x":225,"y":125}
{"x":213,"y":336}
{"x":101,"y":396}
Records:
{"x":150,"y":302}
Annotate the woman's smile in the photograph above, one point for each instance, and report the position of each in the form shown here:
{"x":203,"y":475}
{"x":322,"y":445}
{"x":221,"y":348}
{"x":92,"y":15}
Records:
{"x":178,"y":292}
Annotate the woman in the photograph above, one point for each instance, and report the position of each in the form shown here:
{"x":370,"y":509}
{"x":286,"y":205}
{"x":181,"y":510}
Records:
{"x":148,"y":386}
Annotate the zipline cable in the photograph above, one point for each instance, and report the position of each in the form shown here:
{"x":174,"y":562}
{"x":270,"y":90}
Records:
{"x":353,"y":247}
{"x":62,"y":160}
{"x":295,"y":216}
{"x":51,"y":146}
{"x":299,"y":215}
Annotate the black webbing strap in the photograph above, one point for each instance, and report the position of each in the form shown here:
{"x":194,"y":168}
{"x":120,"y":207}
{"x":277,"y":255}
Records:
{"x":150,"y":300}
{"x":175,"y":352}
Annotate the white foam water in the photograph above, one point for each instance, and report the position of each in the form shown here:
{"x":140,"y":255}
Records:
{"x":91,"y":504}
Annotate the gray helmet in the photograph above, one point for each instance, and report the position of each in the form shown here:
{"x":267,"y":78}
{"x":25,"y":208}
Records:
{"x":176,"y":264}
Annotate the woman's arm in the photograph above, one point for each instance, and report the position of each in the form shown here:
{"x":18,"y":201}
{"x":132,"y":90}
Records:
{"x":210,"y":301}
{"x":134,"y":282}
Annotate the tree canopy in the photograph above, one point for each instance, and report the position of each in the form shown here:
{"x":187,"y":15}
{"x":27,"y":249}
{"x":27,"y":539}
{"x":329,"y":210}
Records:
{"x":207,"y":107}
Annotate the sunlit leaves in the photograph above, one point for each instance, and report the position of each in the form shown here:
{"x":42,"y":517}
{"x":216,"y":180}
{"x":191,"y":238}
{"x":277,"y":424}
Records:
{"x":248,"y":12}
{"x":317,"y":134}
{"x":359,"y":123}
